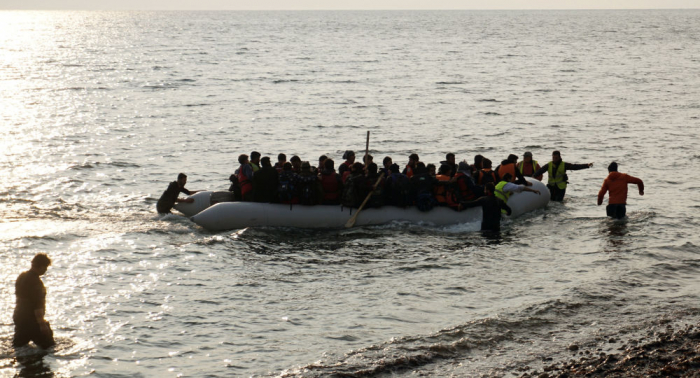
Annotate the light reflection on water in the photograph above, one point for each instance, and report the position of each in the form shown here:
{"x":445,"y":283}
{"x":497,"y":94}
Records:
{"x":101,"y":110}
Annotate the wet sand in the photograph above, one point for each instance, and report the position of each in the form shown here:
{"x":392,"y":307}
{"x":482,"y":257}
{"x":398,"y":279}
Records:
{"x":666,"y":353}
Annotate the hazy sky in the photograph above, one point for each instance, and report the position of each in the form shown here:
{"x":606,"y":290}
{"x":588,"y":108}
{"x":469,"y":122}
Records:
{"x":345,"y":4}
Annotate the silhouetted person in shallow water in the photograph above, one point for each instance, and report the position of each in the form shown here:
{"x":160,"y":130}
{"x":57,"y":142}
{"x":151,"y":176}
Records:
{"x":170,"y":195}
{"x":30,"y":307}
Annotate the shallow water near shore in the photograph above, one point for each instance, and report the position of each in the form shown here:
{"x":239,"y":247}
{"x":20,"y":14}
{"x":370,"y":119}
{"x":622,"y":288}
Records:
{"x":101,"y":110}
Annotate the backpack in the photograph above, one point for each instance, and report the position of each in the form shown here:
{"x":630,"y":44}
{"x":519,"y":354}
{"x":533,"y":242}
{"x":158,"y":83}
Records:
{"x":425,"y":202}
{"x":308,"y":194}
{"x":400,"y":190}
{"x":285,"y":188}
{"x":235,"y":187}
{"x":485,"y":178}
{"x":351,"y":192}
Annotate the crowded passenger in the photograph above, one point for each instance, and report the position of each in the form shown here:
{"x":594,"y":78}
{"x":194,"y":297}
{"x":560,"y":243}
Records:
{"x":387,"y":162}
{"x":281,"y":159}
{"x":331,"y":183}
{"x":355,"y":187}
{"x":265,"y":182}
{"x":528,"y":166}
{"x":255,"y":161}
{"x":296,"y":164}
{"x":310,"y":191}
{"x":450,"y":162}
{"x":376,"y":180}
{"x":440,"y":190}
{"x":486,"y":175}
{"x":422,"y":184}
{"x":411,"y":166}
{"x":510,"y":166}
{"x":478,"y":164}
{"x":397,"y":189}
{"x":345,"y":167}
{"x":466,"y":190}
{"x":286,"y":185}
{"x":244,"y":174}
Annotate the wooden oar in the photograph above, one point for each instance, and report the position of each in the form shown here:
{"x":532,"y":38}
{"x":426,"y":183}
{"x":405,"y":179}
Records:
{"x":364,"y":161}
{"x":351,"y":221}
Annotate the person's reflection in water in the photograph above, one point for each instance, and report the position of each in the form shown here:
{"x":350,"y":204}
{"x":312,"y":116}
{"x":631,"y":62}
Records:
{"x":34,"y":366}
{"x":616,"y":232}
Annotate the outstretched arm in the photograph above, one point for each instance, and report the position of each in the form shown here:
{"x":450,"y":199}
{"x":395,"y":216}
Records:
{"x":576,"y":167}
{"x":541,"y":171}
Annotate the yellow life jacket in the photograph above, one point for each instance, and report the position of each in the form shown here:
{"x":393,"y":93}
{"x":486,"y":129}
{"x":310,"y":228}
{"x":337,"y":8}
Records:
{"x":558,"y":178}
{"x":500,"y":194}
{"x":521,"y":166}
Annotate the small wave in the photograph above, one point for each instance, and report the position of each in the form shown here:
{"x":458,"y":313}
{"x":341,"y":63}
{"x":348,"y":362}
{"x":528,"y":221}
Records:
{"x":123,"y":164}
{"x":488,"y":100}
{"x":492,"y":113}
{"x":282,"y":81}
{"x":449,"y":82}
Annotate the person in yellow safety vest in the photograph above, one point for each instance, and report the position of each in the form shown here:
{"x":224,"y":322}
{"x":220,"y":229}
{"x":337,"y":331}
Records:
{"x":255,"y":161}
{"x":528,"y":166}
{"x":505,"y":189}
{"x":557,"y":178}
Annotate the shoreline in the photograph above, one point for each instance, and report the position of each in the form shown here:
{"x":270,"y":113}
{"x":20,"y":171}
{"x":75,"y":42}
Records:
{"x":662,"y":353}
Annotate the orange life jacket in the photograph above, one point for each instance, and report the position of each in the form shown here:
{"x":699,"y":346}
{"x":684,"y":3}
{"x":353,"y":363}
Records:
{"x":465,"y":193}
{"x":409,"y":171}
{"x":507,"y":168}
{"x":440,"y":190}
{"x":244,"y":182}
{"x":484,"y":175}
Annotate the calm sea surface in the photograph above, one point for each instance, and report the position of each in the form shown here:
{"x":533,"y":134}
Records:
{"x":100,"y":110}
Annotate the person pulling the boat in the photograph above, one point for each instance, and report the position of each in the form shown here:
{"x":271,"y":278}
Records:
{"x":616,"y":184}
{"x":557,"y":178}
{"x":504,"y":189}
{"x":170,"y":195}
{"x":491,"y":207}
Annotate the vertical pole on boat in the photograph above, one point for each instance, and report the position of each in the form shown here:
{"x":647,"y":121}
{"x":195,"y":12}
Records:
{"x":366,"y":150}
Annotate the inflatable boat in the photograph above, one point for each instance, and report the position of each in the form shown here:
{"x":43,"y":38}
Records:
{"x":236,"y":215}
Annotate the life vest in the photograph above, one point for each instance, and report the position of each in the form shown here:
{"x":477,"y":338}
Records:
{"x":557,"y":178}
{"x":440,"y":190}
{"x":465,"y":193}
{"x":409,"y":171}
{"x":331,"y":186}
{"x":255,"y":167}
{"x":500,"y":194}
{"x":244,"y":182}
{"x":521,"y":168}
{"x":486,"y":176}
{"x":507,"y":168}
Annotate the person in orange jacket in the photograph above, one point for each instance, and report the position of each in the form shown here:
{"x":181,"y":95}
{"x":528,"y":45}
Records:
{"x":616,"y":184}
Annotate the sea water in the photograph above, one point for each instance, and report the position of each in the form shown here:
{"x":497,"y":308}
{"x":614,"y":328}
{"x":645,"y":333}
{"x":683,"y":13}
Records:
{"x":99,"y":111}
